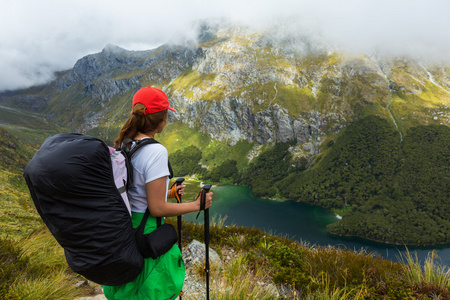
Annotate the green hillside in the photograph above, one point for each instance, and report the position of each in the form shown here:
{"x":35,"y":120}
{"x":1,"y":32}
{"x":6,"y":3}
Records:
{"x":364,"y":136}
{"x":17,"y":213}
{"x":390,"y":193}
{"x":387,"y":191}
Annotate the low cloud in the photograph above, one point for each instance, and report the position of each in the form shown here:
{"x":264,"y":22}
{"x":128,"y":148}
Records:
{"x":41,"y":37}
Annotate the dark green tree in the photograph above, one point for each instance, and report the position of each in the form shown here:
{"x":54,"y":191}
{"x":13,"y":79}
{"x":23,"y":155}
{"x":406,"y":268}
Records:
{"x":186,"y":161}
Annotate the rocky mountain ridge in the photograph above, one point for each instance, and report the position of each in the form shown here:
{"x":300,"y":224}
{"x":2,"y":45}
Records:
{"x":237,"y":84}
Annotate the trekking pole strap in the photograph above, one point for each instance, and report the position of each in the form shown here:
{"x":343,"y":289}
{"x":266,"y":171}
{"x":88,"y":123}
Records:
{"x":203,"y":200}
{"x":174,"y":192}
{"x":202,"y":196}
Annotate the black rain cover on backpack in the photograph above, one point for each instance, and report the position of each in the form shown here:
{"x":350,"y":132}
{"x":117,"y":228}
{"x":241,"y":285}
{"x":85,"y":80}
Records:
{"x":70,"y":179}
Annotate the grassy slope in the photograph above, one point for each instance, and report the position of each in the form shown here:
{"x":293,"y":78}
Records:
{"x":16,"y":209}
{"x":29,"y":126}
{"x":36,"y":269}
{"x":318,"y":273}
{"x":314,"y":272}
{"x":178,"y":136}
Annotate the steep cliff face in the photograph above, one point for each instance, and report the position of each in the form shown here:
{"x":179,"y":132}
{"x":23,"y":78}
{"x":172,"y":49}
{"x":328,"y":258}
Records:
{"x":236,"y":84}
{"x":249,"y":86}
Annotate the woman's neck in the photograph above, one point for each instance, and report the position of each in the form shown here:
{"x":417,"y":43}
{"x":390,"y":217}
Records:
{"x":140,"y":135}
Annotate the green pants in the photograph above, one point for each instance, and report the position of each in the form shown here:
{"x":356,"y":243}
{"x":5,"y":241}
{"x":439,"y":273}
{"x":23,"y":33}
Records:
{"x":161,"y":278}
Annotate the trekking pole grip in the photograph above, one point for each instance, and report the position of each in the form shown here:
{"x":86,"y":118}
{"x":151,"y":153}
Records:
{"x":178,"y":182}
{"x":205,"y":190}
{"x":202,"y":195}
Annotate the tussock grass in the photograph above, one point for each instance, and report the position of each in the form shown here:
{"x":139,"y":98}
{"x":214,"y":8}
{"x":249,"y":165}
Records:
{"x":18,"y":217}
{"x":329,"y":292}
{"x":267,"y":267}
{"x":237,"y":281}
{"x":35,"y":268}
{"x":218,"y":220}
{"x":44,"y":253}
{"x":428,"y":272}
{"x":240,"y":283}
{"x":343,"y":266}
{"x":51,"y":287}
{"x":304,"y":271}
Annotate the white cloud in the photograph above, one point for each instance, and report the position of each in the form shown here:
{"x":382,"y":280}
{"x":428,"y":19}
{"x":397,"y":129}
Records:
{"x":40,"y":37}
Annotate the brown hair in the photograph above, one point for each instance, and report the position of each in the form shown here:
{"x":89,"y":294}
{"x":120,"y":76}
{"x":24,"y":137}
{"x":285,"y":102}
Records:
{"x":139,"y":122}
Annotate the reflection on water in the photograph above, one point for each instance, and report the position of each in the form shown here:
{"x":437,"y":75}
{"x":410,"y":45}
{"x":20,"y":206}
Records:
{"x":298,"y":221}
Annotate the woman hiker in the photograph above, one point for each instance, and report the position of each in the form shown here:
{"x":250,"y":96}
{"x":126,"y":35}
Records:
{"x":163,"y":277}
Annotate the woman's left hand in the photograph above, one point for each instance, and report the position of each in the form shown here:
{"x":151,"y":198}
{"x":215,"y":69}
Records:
{"x":180,"y":189}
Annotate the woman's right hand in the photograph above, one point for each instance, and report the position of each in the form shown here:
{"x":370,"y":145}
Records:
{"x":208,"y":200}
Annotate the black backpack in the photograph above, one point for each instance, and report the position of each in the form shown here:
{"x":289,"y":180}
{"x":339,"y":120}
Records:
{"x":71,"y":182}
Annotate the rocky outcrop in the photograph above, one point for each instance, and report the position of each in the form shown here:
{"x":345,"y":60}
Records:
{"x":236,"y":84}
{"x":33,"y":102}
{"x":194,"y":254}
{"x":233,"y":119}
{"x":106,"y":89}
{"x":116,"y":71}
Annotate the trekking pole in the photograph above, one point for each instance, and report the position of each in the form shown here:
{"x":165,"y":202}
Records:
{"x":178,"y":182}
{"x":205,"y":189}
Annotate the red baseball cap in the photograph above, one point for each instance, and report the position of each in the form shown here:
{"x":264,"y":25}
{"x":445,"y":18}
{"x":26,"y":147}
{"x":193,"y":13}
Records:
{"x":154,"y":99}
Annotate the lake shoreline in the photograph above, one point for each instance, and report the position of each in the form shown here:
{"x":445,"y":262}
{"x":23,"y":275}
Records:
{"x":388,"y":243}
{"x":339,"y":217}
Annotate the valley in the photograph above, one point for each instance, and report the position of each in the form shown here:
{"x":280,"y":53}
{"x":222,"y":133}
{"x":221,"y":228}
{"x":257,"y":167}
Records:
{"x":359,"y":133}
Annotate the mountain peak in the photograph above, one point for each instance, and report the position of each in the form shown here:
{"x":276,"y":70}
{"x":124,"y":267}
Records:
{"x":110,"y":48}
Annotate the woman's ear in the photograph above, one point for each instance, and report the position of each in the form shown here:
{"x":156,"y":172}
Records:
{"x":163,"y":123}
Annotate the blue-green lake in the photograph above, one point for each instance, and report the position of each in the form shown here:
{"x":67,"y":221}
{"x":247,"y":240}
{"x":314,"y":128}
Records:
{"x":298,"y":221}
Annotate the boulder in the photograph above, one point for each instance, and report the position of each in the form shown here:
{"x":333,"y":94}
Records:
{"x":194,"y":254}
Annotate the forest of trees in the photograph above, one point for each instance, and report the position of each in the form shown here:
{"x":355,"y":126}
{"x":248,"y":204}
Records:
{"x":392,"y":191}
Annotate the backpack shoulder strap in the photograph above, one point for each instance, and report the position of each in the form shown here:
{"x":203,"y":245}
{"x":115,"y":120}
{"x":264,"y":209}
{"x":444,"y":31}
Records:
{"x":141,"y":143}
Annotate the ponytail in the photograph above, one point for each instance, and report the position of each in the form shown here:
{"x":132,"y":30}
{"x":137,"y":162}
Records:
{"x":138,"y":121}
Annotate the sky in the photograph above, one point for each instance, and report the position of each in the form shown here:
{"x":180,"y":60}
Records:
{"x":38,"y":38}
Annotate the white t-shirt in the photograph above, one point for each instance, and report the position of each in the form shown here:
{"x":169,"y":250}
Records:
{"x":149,"y":163}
